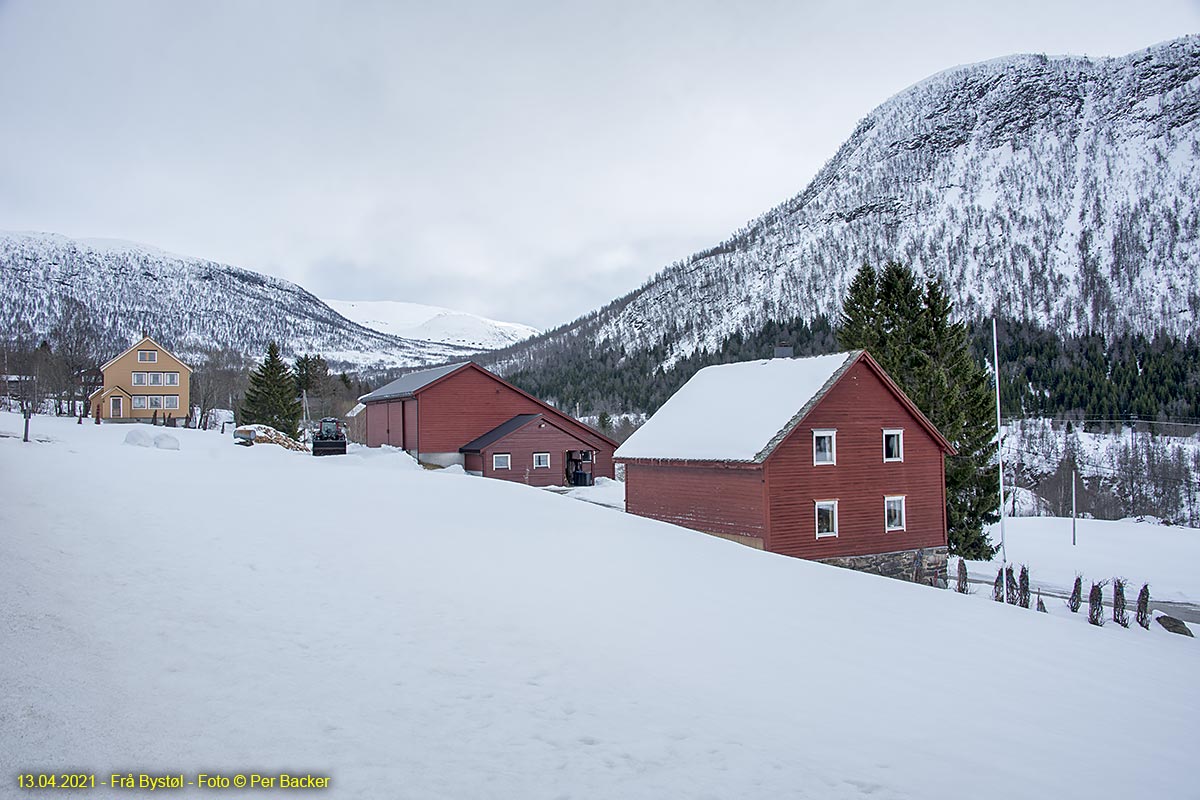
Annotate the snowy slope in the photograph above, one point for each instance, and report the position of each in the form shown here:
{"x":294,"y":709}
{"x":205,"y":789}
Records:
{"x":1061,"y":190}
{"x":432,"y":323}
{"x":189,"y":304}
{"x":290,"y":621}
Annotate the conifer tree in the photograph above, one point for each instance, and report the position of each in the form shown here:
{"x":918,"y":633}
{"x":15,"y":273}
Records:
{"x":271,"y":397}
{"x":1143,"y":606}
{"x":1076,"y":598}
{"x":912,"y":334}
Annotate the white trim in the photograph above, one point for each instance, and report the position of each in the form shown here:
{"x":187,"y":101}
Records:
{"x":496,"y":460}
{"x":820,"y":433}
{"x":536,"y":465}
{"x":112,"y":407}
{"x":150,"y":376}
{"x":153,"y":356}
{"x":817,"y":518}
{"x":903,"y":512}
{"x":136,"y":406}
{"x":167,"y":398}
{"x":150,"y":401}
{"x":143,"y":376}
{"x":170,"y":379}
{"x":899,"y":432}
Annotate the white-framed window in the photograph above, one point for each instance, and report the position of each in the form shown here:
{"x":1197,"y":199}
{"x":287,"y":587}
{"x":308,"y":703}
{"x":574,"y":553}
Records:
{"x":827,"y":518}
{"x":148,"y":356}
{"x":139,"y":379}
{"x":155,"y":378}
{"x":155,"y":400}
{"x":824,"y":447}
{"x":171,"y":378}
{"x":501,"y":461}
{"x":541,"y":461}
{"x":893,"y":444}
{"x":171,"y":401}
{"x":139,"y":401}
{"x":893,"y":513}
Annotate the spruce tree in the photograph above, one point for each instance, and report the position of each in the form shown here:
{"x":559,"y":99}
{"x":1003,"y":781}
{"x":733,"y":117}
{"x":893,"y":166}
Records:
{"x":859,"y":322}
{"x":271,"y":397}
{"x":1076,"y":598}
{"x":1143,"y":606}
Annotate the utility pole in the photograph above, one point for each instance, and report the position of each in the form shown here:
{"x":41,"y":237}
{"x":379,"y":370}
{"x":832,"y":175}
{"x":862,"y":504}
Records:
{"x":1132,"y":445}
{"x":999,"y":452}
{"x":1074,"y":517}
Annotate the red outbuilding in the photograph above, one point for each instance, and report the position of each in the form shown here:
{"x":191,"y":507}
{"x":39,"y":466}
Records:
{"x":463,"y":414}
{"x":822,"y":458}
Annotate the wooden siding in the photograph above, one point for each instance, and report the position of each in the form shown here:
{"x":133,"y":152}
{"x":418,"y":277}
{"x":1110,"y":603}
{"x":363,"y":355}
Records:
{"x":469,"y":403}
{"x":712,"y":498}
{"x":473,"y":462}
{"x":859,"y":407}
{"x":536,"y":437}
{"x":409,"y":413}
{"x":118,"y":380}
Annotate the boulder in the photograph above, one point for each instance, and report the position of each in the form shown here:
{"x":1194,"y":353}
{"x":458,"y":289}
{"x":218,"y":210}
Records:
{"x":137,"y":438}
{"x":1173,"y":625}
{"x":165,"y":441}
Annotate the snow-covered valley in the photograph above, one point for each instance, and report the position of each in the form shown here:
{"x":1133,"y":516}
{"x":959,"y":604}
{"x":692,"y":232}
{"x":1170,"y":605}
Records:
{"x":432,"y":323}
{"x":427,"y":634}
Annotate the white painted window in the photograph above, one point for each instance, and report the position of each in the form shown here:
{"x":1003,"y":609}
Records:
{"x":541,"y":461}
{"x":501,"y":460}
{"x":824,"y":447}
{"x":827,"y":518}
{"x":155,"y":401}
{"x":171,"y":401}
{"x":148,"y":356}
{"x":171,"y":378}
{"x":893,"y":513}
{"x":155,"y":378}
{"x":893,"y":445}
{"x":139,"y":401}
{"x":139,"y":379}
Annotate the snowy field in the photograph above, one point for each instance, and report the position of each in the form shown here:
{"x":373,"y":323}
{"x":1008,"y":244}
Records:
{"x":423,"y":634}
{"x":1166,"y":556}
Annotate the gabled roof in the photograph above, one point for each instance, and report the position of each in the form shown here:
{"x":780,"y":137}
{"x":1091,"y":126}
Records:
{"x":102,"y":392}
{"x":499,"y":432}
{"x":138,"y":344}
{"x":742,"y":412}
{"x":411,"y":383}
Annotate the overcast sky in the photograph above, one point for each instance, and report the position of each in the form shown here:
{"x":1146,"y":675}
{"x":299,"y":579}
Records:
{"x":524,"y":161}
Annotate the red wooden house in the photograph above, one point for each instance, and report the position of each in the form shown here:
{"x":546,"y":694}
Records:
{"x":821,"y":458}
{"x":463,"y":414}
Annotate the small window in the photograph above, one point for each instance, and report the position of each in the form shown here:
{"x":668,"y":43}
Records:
{"x":501,"y":460}
{"x":155,"y":378}
{"x":541,"y":461}
{"x":827,"y":518}
{"x":171,"y":378}
{"x":893,"y":445}
{"x":156,"y":401}
{"x":585,"y":456}
{"x":171,"y":401}
{"x":139,"y":379}
{"x":824,"y":447}
{"x":139,"y":401}
{"x":893,"y":513}
{"x":148,"y":356}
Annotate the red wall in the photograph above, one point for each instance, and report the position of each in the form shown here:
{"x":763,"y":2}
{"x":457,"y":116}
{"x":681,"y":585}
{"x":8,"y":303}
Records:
{"x":522,"y":444}
{"x":714,"y":499}
{"x":859,"y":406}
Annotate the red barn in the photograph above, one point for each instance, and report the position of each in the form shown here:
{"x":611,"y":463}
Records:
{"x":463,"y":414}
{"x":821,"y":458}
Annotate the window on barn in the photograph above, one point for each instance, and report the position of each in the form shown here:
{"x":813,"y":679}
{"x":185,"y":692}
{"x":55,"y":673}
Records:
{"x":824,"y":447}
{"x":501,"y":461}
{"x":148,"y":356}
{"x":893,"y":445}
{"x":541,"y":461}
{"x":893,"y":513}
{"x":827,"y":518}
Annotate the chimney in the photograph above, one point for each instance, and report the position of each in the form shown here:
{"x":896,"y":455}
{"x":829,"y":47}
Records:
{"x":783,"y":350}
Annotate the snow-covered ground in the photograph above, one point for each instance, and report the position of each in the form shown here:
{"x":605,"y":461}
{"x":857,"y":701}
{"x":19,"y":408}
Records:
{"x":427,"y":634}
{"x":1166,"y":556}
{"x":432,"y":323}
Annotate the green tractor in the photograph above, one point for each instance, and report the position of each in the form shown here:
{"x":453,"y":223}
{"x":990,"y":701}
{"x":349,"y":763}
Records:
{"x":329,"y":438}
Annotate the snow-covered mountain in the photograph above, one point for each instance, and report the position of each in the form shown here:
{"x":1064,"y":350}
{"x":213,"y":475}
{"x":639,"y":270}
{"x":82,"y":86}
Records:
{"x":188,"y":304}
{"x":1061,"y":190}
{"x":432,"y":323}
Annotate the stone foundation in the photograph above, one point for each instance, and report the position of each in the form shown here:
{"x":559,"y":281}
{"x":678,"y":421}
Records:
{"x":926,"y":565}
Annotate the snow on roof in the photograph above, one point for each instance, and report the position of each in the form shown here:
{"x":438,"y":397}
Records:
{"x":735,"y":412}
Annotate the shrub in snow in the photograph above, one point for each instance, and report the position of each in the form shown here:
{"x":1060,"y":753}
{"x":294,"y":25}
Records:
{"x":1076,"y":598}
{"x":1040,"y":605}
{"x":1096,"y":604}
{"x":962,"y":587}
{"x":137,"y":438}
{"x":1120,"y":615}
{"x":1143,"y":607}
{"x":1010,"y":585}
{"x":1023,"y":588}
{"x":165,"y":441}
{"x":998,"y":586}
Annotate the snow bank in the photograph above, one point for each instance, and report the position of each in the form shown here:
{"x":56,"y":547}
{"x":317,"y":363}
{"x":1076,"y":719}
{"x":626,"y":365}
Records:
{"x":138,"y":438}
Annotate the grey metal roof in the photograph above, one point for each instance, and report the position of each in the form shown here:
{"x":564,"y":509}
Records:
{"x":406,"y":385}
{"x":498,"y":433}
